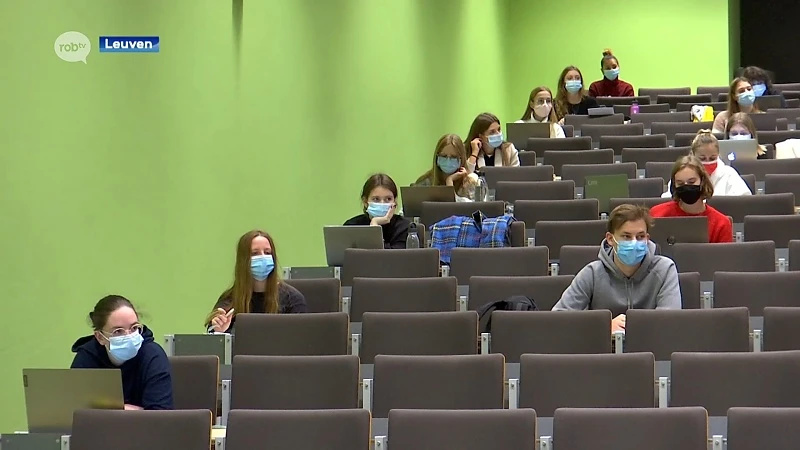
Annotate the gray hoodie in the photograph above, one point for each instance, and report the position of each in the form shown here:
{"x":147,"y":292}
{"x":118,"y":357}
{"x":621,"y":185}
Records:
{"x":601,"y":285}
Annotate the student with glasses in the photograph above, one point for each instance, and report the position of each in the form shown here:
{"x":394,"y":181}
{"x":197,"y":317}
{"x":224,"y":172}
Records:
{"x":120,"y":341}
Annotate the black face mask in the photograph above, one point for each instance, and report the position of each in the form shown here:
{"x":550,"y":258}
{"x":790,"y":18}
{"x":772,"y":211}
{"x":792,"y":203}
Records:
{"x":689,"y":193}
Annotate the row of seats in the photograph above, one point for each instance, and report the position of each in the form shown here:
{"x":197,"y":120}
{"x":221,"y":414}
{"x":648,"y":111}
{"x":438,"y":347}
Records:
{"x":684,"y":428}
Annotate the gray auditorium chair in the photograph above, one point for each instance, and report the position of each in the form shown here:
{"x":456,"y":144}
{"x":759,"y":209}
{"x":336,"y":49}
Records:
{"x":713,"y":90}
{"x":523,"y":173}
{"x":322,"y":294}
{"x":569,"y":130}
{"x":380,"y":263}
{"x":791,"y":114}
{"x":648,"y":202}
{"x":549,"y":382}
{"x":437,"y":382}
{"x":539,"y":145}
{"x":673,"y":99}
{"x":415,"y":429}
{"x":291,"y":334}
{"x":102,"y":429}
{"x":645,"y":187}
{"x":764,"y":122}
{"x":617,"y":143}
{"x":779,"y":229}
{"x":612,"y":101}
{"x":558,"y":158}
{"x":729,"y":257}
{"x":685,"y":139}
{"x":433,"y":212}
{"x":579,"y":172}
{"x":573,"y":258}
{"x":787,"y":86}
{"x":690,"y":290}
{"x":544,"y":290}
{"x":653,"y":93}
{"x":532,"y":211}
{"x":672,"y":128}
{"x":424,"y":333}
{"x":761,"y":167}
{"x":555,"y":234}
{"x":630,"y":429}
{"x":719,"y":381}
{"x":658,"y":169}
{"x":641,"y":156}
{"x":579,"y":120}
{"x":664,"y":331}
{"x":527,"y":158}
{"x":718,"y":106}
{"x":739,"y":206}
{"x":596,"y":131}
{"x":643,"y":109}
{"x":515,"y":333}
{"x":750,"y":181}
{"x":778,"y":183}
{"x":320,"y":382}
{"x":510,"y":261}
{"x":648,"y":118}
{"x":781,"y":328}
{"x":195,"y":380}
{"x":283,"y":430}
{"x":773,"y":137}
{"x":794,"y":254}
{"x":511,"y":191}
{"x":762,"y":428}
{"x":756,"y":290}
{"x":431,"y":294}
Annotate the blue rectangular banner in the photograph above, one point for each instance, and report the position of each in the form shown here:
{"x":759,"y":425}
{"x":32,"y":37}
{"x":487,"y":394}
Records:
{"x":129,"y":44}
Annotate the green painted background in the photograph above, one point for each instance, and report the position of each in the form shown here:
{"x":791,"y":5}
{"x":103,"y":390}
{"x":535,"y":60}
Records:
{"x":136,"y":174}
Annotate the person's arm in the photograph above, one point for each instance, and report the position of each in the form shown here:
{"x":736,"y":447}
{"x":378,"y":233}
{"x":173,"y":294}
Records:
{"x":724,"y":231}
{"x":294,"y":300}
{"x":399,"y":234}
{"x":559,"y":131}
{"x":719,"y":122}
{"x":591,"y":102}
{"x":669,"y":296}
{"x":513,"y":155}
{"x":157,"y":389}
{"x":737,"y":185}
{"x":82,"y":360}
{"x":593,"y":89}
{"x":578,"y":295}
{"x":224,"y":303}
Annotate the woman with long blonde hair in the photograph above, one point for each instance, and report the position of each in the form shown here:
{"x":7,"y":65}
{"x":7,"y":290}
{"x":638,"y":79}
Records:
{"x":540,"y":110}
{"x":485,"y":141}
{"x":449,"y":168}
{"x":571,"y":96}
{"x":257,"y":287}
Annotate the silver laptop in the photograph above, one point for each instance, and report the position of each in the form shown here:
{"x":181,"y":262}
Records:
{"x":53,"y":395}
{"x":339,"y":238}
{"x":518,"y":133}
{"x":413,"y":197}
{"x":742,"y":150}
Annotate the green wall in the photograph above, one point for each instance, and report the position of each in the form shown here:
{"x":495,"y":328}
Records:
{"x":136,"y":174}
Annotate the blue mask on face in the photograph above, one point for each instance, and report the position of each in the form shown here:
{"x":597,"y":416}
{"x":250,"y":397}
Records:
{"x":573,"y":86}
{"x":759,"y":89}
{"x":261,"y":266}
{"x":447,"y":164}
{"x":495,"y":140}
{"x":378,"y":209}
{"x":124,"y":348}
{"x":611,"y":74}
{"x":746,"y":98}
{"x":632,"y":252}
{"x":738,"y":137}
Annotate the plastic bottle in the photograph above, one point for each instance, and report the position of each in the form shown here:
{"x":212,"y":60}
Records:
{"x":412,"y":241}
{"x":634,"y":107}
{"x":481,"y":190}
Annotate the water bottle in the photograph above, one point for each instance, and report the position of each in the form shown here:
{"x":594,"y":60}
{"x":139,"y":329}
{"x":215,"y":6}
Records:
{"x":412,"y":241}
{"x":481,"y":190}
{"x":634,"y":108}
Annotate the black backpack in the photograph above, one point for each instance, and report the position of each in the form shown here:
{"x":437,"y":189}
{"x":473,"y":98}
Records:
{"x":513,"y":303}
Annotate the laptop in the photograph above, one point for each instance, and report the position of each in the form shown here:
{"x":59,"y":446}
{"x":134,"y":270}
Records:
{"x":413,"y":196}
{"x":339,"y":238}
{"x":668,"y":231}
{"x":742,"y":150}
{"x":766,"y":102}
{"x":606,"y":187}
{"x":764,"y":122}
{"x":52,"y":395}
{"x":518,"y":133}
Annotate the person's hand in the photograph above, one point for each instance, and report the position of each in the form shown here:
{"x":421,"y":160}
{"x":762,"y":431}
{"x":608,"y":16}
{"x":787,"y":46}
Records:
{"x":221,"y":321}
{"x":385,"y":219}
{"x":132,"y":407}
{"x":460,"y":173}
{"x":476,"y":145}
{"x":618,"y":323}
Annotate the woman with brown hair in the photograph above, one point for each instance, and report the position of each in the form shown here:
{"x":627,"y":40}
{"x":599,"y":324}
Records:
{"x":690,"y":186}
{"x":257,"y":287}
{"x":610,"y":85}
{"x":540,"y":110}
{"x":485,"y":141}
{"x":741,"y":98}
{"x":449,"y":168}
{"x":379,"y":203}
{"x":741,"y":126}
{"x":571,"y":97}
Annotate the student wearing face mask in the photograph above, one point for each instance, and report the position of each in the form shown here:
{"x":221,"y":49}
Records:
{"x":257,"y":287}
{"x":486,"y":145}
{"x":610,"y":85}
{"x":540,"y":110}
{"x":761,"y":82}
{"x":449,"y":168}
{"x":725,"y":179}
{"x":379,"y":200}
{"x":628,"y":274}
{"x":741,"y":98}
{"x":690,"y":186}
{"x":741,"y":126}
{"x":571,"y":98}
{"x":121,"y":342}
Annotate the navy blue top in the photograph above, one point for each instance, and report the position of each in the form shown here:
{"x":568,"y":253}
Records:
{"x":146,"y":378}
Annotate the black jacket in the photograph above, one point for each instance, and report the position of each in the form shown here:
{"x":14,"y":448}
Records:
{"x":394,"y":233}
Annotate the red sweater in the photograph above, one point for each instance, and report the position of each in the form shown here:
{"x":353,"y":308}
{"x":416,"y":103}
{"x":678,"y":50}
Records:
{"x":607,"y":88}
{"x":719,"y":226}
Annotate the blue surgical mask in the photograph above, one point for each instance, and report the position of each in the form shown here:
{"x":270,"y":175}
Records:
{"x":573,"y":86}
{"x":261,"y":266}
{"x":740,"y":137}
{"x":759,"y":89}
{"x":495,"y":140}
{"x":746,"y":98}
{"x":124,"y":348}
{"x":378,"y":209}
{"x":611,"y":74}
{"x":632,"y":252}
{"x":447,"y":164}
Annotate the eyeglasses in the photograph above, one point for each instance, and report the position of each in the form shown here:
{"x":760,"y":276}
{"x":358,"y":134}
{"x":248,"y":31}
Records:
{"x":118,"y":332}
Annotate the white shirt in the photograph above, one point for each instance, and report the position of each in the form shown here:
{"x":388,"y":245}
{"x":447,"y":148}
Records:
{"x":726,"y":181}
{"x":557,"y":131}
{"x":498,"y":159}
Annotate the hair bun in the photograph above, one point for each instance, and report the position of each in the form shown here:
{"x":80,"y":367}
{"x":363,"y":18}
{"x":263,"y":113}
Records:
{"x":608,"y":52}
{"x":704,"y":131}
